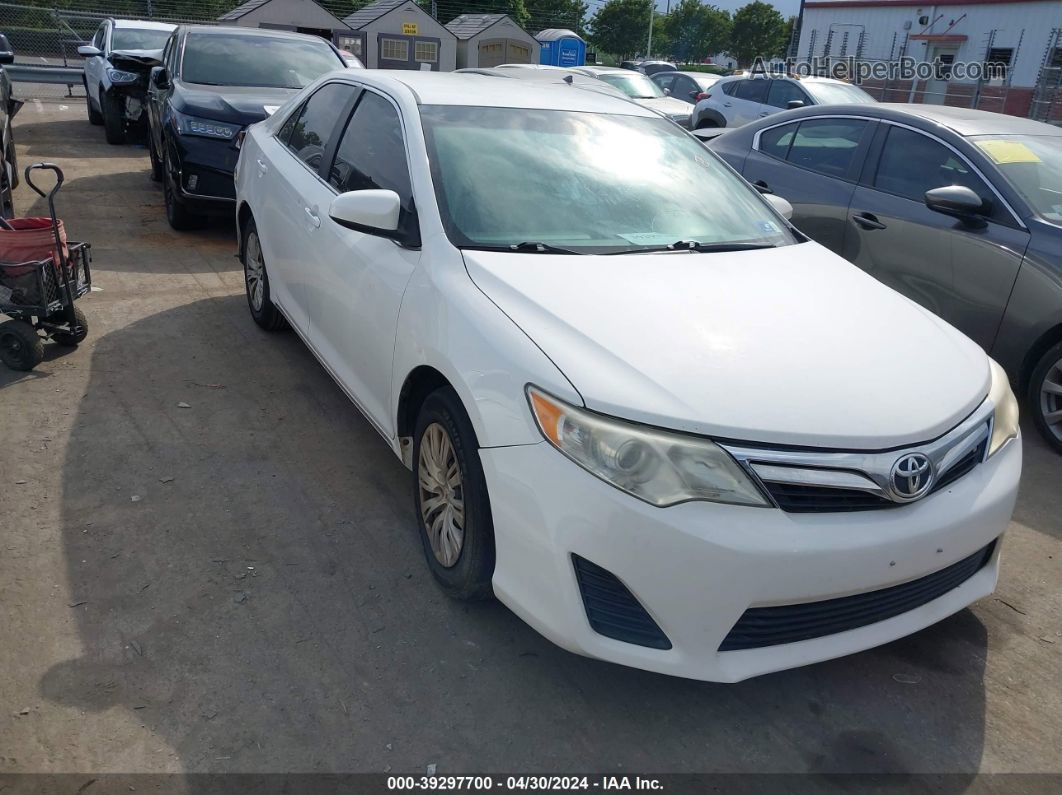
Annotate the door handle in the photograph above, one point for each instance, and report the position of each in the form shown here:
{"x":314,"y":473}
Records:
{"x":762,"y":186}
{"x":726,"y":104}
{"x":262,"y":167}
{"x":868,"y":221}
{"x":765,"y":113}
{"x":315,"y":219}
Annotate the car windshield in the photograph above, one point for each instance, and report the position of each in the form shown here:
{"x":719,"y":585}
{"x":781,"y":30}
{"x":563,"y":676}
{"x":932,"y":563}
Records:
{"x":1032,"y":164}
{"x":634,"y":85}
{"x":837,"y":94}
{"x":267,"y":61}
{"x":135,"y":39}
{"x":592,"y":183}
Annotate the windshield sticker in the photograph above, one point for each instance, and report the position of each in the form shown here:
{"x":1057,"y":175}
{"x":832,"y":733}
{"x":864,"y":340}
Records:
{"x":1003,"y":152}
{"x":767,"y":227}
{"x":647,"y":238}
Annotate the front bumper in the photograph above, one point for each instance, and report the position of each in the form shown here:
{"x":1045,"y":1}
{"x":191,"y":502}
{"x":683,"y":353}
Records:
{"x":698,"y":566}
{"x":204,"y":177}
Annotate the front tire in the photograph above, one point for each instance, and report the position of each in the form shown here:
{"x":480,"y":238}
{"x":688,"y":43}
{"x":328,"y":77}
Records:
{"x":1045,"y":396}
{"x":156,"y":164}
{"x":21,"y":348}
{"x":180,"y":218}
{"x":259,"y":301}
{"x":451,"y":500}
{"x":94,"y":116}
{"x":113,"y":119}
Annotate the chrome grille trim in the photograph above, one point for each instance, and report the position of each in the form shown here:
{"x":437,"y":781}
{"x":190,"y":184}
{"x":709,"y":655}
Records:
{"x":857,"y":471}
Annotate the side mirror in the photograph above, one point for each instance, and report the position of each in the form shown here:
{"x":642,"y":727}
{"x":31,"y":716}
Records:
{"x":955,"y":200}
{"x":160,"y":77}
{"x":784,"y":208}
{"x":373,"y":212}
{"x":89,"y":51}
{"x":793,"y":104}
{"x":6,"y":57}
{"x":667,"y":92}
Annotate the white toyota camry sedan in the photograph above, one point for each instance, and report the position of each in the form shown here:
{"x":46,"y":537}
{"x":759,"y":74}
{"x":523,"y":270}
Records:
{"x":640,"y":408}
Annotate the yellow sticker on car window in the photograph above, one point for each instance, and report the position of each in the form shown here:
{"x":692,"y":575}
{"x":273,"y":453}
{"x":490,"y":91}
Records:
{"x":1003,"y":152}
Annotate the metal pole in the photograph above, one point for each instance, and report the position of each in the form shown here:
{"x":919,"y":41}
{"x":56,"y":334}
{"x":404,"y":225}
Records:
{"x":649,"y":44}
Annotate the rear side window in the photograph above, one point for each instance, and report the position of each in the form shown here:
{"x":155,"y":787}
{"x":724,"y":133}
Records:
{"x":310,"y":128}
{"x":753,"y":90}
{"x":728,"y":88}
{"x":826,"y":145}
{"x":782,"y":92}
{"x":372,"y":152}
{"x":776,"y":141}
{"x":912,"y":163}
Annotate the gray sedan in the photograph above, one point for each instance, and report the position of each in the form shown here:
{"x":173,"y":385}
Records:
{"x":960,"y":210}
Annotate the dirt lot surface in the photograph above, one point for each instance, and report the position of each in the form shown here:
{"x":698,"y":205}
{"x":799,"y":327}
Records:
{"x":237,"y":584}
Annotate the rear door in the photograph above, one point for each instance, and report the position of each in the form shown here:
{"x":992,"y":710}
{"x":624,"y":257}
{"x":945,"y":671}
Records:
{"x":746,"y":103}
{"x":288,"y":194}
{"x":961,"y":272}
{"x":814,"y":164}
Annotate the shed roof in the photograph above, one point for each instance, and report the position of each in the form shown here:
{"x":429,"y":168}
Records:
{"x":363,"y":16}
{"x":552,"y":34}
{"x":242,"y":10}
{"x":468,"y":25}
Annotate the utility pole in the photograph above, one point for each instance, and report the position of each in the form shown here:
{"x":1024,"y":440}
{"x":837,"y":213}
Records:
{"x":649,"y":44}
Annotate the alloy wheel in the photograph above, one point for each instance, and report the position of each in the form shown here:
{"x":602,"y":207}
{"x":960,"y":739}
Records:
{"x":254,"y":271}
{"x":1051,"y":399}
{"x":442,"y":499}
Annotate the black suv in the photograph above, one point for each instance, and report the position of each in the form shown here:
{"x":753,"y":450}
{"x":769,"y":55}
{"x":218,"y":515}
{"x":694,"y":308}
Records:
{"x":215,"y":81}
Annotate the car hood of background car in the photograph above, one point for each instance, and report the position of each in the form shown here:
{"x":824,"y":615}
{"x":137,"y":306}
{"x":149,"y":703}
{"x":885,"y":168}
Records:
{"x":235,"y":104}
{"x":136,"y":60}
{"x":666,"y":105}
{"x":786,"y":346}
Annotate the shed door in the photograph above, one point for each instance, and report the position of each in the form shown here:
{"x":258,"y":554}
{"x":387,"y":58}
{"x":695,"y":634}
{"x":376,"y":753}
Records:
{"x":493,"y":52}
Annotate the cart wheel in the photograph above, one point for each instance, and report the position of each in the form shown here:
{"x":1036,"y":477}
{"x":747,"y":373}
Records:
{"x":21,"y":347}
{"x":67,"y":339}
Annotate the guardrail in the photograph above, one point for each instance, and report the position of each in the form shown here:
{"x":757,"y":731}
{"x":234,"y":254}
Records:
{"x":40,"y":73}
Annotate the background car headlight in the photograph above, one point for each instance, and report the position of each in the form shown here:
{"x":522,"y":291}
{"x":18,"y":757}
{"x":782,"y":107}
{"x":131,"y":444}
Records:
{"x":1005,"y":416}
{"x":657,"y":466}
{"x":118,"y":76}
{"x":190,"y":125}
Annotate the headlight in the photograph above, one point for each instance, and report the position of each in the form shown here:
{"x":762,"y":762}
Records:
{"x":1005,"y":416}
{"x":118,"y":76}
{"x":657,"y":466}
{"x":190,"y":125}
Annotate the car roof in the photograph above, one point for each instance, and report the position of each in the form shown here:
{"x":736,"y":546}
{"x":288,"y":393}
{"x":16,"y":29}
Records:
{"x":694,"y":75}
{"x":601,"y":70}
{"x":455,"y":88}
{"x":142,"y":24}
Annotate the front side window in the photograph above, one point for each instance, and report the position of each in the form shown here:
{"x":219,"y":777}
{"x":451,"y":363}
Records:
{"x":426,"y":52}
{"x":101,"y":33}
{"x":826,"y":145}
{"x":782,"y":92}
{"x":372,"y":153}
{"x":664,"y":80}
{"x":634,"y":85}
{"x":912,"y":163}
{"x":313,"y":123}
{"x":1032,"y":164}
{"x":753,"y":90}
{"x":134,"y":39}
{"x":587,"y":182}
{"x":220,"y":59}
{"x":394,"y":49}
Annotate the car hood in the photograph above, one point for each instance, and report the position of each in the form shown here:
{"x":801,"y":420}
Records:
{"x":235,"y":104}
{"x":669,"y":106}
{"x":141,"y":60}
{"x":786,"y":346}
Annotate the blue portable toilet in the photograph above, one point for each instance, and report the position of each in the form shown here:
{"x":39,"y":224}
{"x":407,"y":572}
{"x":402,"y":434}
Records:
{"x":561,"y":47}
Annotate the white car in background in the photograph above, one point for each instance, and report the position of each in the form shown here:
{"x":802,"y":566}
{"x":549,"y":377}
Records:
{"x":739,"y":99}
{"x":652,"y":418}
{"x":641,"y":89}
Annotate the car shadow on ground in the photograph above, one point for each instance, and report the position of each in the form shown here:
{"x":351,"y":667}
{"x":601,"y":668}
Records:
{"x":247,"y":582}
{"x":52,"y":138}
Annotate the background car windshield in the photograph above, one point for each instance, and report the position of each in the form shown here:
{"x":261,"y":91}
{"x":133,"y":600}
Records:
{"x":590,"y":182}
{"x":1032,"y":164}
{"x":134,"y":39}
{"x":267,"y":61}
{"x":837,"y":94}
{"x":636,"y":86}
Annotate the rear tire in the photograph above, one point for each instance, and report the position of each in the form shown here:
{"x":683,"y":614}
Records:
{"x":1045,"y":396}
{"x":177,"y":214}
{"x":113,"y":119}
{"x":450,"y":498}
{"x":263,"y":310}
{"x":66,"y":339}
{"x":21,"y":348}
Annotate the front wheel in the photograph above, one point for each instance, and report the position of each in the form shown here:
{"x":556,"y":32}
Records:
{"x":70,"y":339}
{"x":177,"y":214}
{"x":21,"y":348}
{"x":450,"y":497}
{"x":113,"y":118}
{"x":156,"y":164}
{"x":94,"y":116}
{"x":1045,"y":396}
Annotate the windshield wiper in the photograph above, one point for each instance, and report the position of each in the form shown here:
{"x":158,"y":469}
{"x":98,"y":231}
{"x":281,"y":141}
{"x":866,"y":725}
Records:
{"x":528,"y":247}
{"x":698,"y":246}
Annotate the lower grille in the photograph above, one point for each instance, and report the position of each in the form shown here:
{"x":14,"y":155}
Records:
{"x":772,"y":626}
{"x":613,"y":611}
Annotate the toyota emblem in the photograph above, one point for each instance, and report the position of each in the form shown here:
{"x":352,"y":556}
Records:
{"x":911,"y":477}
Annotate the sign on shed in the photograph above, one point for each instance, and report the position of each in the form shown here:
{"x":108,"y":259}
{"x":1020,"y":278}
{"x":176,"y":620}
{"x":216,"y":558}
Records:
{"x":409,"y":28}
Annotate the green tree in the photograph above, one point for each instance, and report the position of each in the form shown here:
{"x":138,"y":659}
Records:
{"x":758,"y":29}
{"x":621,"y":27}
{"x":695,"y":31}
{"x":569,"y":14}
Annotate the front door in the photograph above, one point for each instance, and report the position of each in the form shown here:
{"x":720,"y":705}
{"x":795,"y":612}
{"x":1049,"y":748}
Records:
{"x":960,"y":271}
{"x":937,"y":88}
{"x":361,"y":277}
